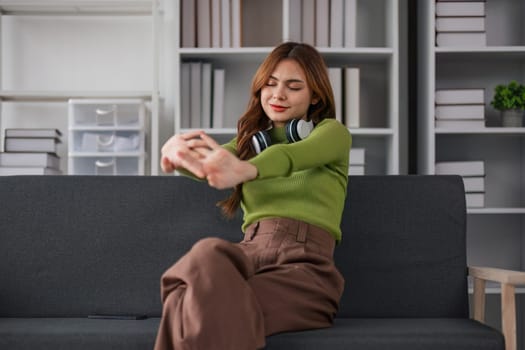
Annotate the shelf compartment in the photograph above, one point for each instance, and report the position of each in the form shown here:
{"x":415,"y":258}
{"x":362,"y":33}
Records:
{"x":106,"y":165}
{"x":106,"y":113}
{"x":495,"y":241}
{"x":480,"y":73}
{"x":107,"y":141}
{"x":374,"y":78}
{"x":504,"y":157}
{"x":76,"y":53}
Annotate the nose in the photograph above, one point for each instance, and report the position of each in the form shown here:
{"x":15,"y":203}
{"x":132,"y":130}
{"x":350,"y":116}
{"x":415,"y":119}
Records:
{"x":278,"y":93}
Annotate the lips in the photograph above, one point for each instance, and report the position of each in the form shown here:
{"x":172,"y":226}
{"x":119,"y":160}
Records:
{"x":278,"y":108}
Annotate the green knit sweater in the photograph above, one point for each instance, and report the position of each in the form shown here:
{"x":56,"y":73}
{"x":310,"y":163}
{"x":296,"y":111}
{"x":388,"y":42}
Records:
{"x":305,"y":180}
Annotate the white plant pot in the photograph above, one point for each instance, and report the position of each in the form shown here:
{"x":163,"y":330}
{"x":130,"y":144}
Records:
{"x":512,"y":118}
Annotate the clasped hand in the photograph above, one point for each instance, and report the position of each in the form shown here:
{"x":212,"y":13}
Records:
{"x":199,"y":154}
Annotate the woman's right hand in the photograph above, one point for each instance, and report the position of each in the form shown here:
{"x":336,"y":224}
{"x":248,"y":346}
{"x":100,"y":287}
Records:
{"x":182,"y":151}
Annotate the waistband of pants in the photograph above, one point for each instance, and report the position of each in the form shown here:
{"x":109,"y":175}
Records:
{"x":303,"y":231}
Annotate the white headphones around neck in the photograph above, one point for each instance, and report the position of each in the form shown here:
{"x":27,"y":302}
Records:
{"x":296,"y":130}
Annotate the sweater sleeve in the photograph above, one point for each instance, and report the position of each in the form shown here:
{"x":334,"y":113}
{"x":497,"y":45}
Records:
{"x":329,"y":143}
{"x":231,"y":146}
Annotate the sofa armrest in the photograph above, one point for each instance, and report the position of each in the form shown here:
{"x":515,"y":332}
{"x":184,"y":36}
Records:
{"x":509,"y":280}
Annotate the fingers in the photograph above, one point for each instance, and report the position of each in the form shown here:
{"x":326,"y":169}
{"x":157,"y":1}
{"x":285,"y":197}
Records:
{"x":166,"y":165}
{"x":211,"y":143}
{"x":191,"y":164}
{"x":191,"y":134}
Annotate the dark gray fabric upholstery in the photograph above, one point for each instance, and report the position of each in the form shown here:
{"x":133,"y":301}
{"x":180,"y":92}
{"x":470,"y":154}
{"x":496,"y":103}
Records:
{"x":76,"y":334}
{"x":403,"y":242}
{"x":71,"y":246}
{"x":393,"y":334}
{"x":362,"y":334}
{"x":74,"y":246}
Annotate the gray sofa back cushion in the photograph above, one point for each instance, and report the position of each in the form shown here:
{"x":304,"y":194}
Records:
{"x":71,"y":246}
{"x":76,"y":246}
{"x":403,"y":252}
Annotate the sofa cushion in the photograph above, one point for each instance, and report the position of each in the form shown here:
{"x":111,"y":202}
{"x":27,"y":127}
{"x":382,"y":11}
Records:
{"x":77,"y":334}
{"x":72,"y":246}
{"x":357,"y":334}
{"x":393,"y":334}
{"x":403,"y":252}
{"x":100,"y":244}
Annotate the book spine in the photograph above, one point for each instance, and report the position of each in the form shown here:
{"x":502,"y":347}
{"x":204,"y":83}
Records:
{"x":185,"y":102}
{"x":218,"y":98}
{"x":356,"y":170}
{"x":463,"y":168}
{"x":295,"y":20}
{"x":336,"y":79}
{"x":226,"y":23}
{"x":471,"y":39}
{"x":322,"y":23}
{"x":206,"y":95}
{"x":460,"y":96}
{"x":352,"y":117}
{"x":216,"y":33}
{"x":308,"y":22}
{"x":203,"y":23}
{"x":460,"y":112}
{"x":350,"y":23}
{"x":460,"y":24}
{"x":188,"y":12}
{"x":195,"y":98}
{"x":357,"y":156}
{"x":337,"y":23}
{"x":236,"y":23}
{"x":460,"y":124}
{"x":460,"y":9}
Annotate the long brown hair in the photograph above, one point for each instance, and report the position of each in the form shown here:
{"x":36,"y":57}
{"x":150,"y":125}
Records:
{"x":254,"y":119}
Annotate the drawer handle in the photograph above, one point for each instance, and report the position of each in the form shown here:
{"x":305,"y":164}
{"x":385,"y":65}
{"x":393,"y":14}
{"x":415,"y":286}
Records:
{"x":101,"y":141}
{"x":101,"y":164}
{"x":101,"y":111}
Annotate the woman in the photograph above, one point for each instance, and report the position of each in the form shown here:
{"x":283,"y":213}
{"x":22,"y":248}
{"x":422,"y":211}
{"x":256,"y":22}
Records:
{"x":290,"y":181}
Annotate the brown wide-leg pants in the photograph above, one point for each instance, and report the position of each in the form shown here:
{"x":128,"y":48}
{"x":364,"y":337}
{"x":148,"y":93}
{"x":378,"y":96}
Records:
{"x":224,"y":295}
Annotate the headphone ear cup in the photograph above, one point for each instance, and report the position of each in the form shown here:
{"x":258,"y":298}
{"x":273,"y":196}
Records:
{"x":298,"y":129}
{"x":261,"y":141}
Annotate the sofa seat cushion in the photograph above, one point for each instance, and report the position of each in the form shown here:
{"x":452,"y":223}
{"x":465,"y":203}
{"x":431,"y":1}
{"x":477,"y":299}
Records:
{"x":393,"y":334}
{"x":358,"y":334}
{"x":77,"y":334}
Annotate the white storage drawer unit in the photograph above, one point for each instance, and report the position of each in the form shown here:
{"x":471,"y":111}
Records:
{"x":107,"y":137}
{"x":106,"y":113}
{"x":121,"y":165}
{"x":107,"y":141}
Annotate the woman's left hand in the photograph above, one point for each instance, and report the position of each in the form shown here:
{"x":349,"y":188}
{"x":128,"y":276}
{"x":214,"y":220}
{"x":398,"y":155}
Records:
{"x":221,"y":168}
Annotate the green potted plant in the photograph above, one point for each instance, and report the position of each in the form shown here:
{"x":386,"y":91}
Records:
{"x":510,"y":100}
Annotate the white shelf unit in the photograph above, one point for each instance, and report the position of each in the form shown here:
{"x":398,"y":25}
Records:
{"x":496,"y":232}
{"x":376,"y":54}
{"x":36,"y":81}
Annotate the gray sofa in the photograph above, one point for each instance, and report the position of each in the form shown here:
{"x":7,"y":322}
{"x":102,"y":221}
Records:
{"x":75,"y":246}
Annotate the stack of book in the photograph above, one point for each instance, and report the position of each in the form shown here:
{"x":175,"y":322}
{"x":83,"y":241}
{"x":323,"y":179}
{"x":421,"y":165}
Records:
{"x":473,"y":174}
{"x":346,"y":85}
{"x":206,"y":23}
{"x":357,"y":162}
{"x":460,"y":108}
{"x":323,"y":23}
{"x":460,"y":23}
{"x":30,"y":152}
{"x":202,"y":97}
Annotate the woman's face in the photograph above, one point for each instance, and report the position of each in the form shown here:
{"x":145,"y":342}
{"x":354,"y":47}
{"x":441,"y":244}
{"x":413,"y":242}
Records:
{"x":286,"y":95}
